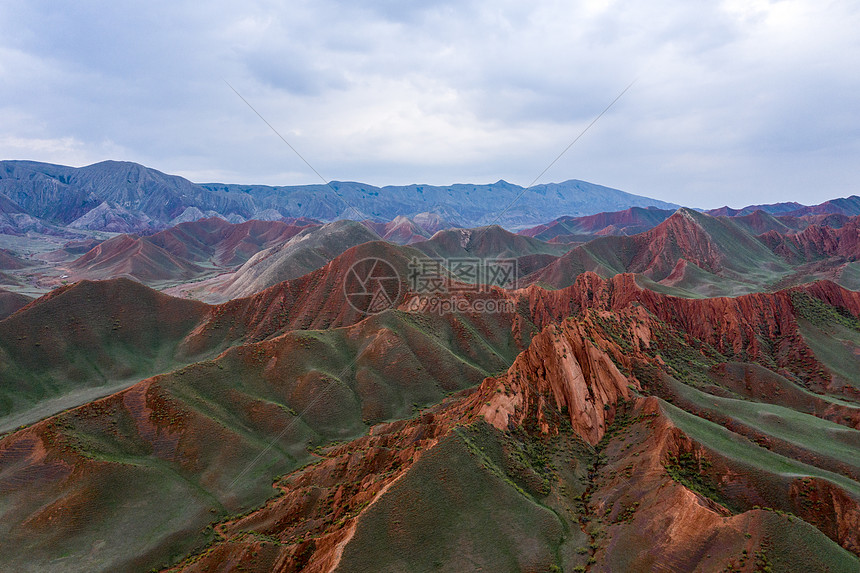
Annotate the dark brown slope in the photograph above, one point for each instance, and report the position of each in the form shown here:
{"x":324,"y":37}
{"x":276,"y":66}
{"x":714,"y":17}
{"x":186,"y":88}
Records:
{"x":71,"y":250}
{"x":10,"y":261}
{"x":11,"y":302}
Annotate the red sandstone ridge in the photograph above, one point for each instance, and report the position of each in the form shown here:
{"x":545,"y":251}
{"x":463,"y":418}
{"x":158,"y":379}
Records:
{"x":758,"y":326}
{"x":834,"y":295}
{"x":319,"y":508}
{"x":717,"y":246}
{"x":225,"y":243}
{"x":575,"y":386}
{"x":680,"y":236}
{"x":703,"y":255}
{"x":627,"y":222}
{"x":563,"y":367}
{"x":316,"y":513}
{"x":315,"y":300}
{"x":816,"y":242}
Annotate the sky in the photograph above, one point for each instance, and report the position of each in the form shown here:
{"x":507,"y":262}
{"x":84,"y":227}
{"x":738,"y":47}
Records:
{"x":734,"y":102}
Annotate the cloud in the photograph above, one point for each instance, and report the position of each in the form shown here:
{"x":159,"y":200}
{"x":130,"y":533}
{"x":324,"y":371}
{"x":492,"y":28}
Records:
{"x":737,"y":102}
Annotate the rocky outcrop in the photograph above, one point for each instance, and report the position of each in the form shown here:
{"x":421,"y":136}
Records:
{"x":816,"y":242}
{"x":562,"y":368}
{"x":753,"y":327}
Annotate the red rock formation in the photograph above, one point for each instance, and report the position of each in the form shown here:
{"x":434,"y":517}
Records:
{"x":816,"y":242}
{"x":572,"y":368}
{"x":132,"y":256}
{"x":174,"y":252}
{"x":561,"y":366}
{"x":749,"y":327}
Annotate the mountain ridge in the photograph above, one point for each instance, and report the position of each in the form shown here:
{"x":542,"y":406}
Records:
{"x":129,"y":197}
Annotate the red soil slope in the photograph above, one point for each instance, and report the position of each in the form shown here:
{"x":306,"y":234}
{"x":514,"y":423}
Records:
{"x":223,"y":243}
{"x":817,"y":242}
{"x":173,"y":254}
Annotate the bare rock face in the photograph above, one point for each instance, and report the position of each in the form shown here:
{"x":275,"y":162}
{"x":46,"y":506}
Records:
{"x":816,"y":242}
{"x":563,"y":367}
{"x":679,"y":236}
{"x":738,"y":327}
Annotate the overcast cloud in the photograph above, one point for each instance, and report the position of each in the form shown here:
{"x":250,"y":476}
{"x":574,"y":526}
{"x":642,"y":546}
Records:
{"x":737,"y":102}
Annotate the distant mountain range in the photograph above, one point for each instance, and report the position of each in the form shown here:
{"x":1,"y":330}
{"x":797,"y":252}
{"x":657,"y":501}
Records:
{"x":636,"y":220}
{"x":126,"y":197}
{"x":843,"y":206}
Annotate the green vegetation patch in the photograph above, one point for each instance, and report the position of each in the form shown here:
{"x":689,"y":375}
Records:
{"x":692,"y":472}
{"x":741,"y":450}
{"x":687,"y":360}
{"x":821,"y":314}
